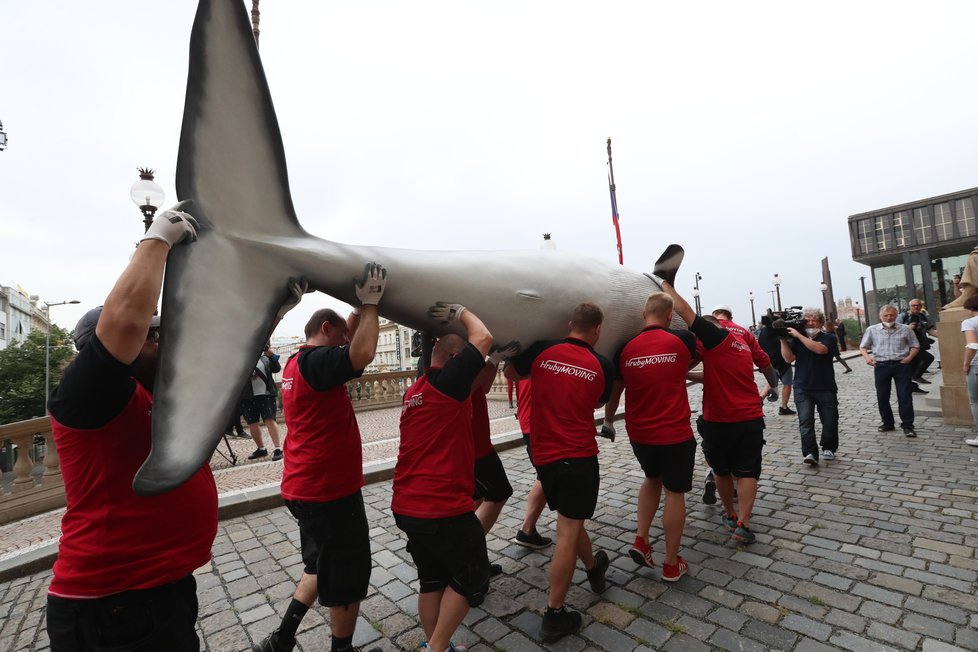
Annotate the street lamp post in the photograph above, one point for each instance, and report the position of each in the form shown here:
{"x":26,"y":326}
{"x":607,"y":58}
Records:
{"x":47,"y":349}
{"x":777,"y":289}
{"x":696,"y":293}
{"x":862,"y":283}
{"x":147,"y":194}
{"x":753,"y":317}
{"x":859,"y":321}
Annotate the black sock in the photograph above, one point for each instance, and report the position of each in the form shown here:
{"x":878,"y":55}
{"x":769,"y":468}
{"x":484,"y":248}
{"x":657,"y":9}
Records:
{"x":290,"y":622}
{"x":344,"y":643}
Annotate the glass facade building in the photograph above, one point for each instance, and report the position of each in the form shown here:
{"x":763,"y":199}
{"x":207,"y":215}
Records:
{"x":914,"y":249}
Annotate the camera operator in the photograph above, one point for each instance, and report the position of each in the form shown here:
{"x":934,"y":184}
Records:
{"x":921,"y":325}
{"x":814,"y":384}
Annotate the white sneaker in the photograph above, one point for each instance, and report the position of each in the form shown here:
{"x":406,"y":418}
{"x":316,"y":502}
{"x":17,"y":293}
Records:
{"x":971,"y":442}
{"x":810,"y":460}
{"x":829,"y":455}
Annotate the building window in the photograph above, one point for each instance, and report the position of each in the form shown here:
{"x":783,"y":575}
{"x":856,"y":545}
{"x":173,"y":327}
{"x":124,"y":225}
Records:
{"x":922,"y":226}
{"x":942,"y":221}
{"x":965,"y":217}
{"x":884,"y":236}
{"x":901,"y":229}
{"x":866,"y":237}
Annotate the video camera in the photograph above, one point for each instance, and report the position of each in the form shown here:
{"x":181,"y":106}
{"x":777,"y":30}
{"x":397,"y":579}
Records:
{"x":782,"y":320}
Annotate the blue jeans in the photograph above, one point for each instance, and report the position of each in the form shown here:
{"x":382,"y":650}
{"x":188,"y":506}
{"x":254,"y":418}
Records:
{"x":899,"y":373}
{"x":827,"y":404}
{"x":973,"y":391}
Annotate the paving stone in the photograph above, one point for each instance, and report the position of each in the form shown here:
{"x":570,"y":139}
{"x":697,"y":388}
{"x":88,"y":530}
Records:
{"x":937,"y":610}
{"x":880,"y":595}
{"x":762,"y":612}
{"x":648,"y":633}
{"x":880,"y":612}
{"x":930,"y":645}
{"x":899,"y":637}
{"x":607,"y":638}
{"x":728,"y":618}
{"x":929,"y":627}
{"x":845,"y":619}
{"x":849,"y":641}
{"x":684,"y":643}
{"x":516,"y":642}
{"x":725,"y":639}
{"x":776,"y":637}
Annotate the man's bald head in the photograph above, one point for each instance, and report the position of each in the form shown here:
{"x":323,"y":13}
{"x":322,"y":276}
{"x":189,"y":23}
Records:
{"x":445,"y":348}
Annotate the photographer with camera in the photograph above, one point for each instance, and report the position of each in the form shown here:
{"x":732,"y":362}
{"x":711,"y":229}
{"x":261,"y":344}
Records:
{"x":769,"y":341}
{"x":919,"y":322}
{"x":812,"y":352}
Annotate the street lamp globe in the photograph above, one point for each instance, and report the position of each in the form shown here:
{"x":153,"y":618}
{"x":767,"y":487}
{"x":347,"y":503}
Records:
{"x":147,"y":194}
{"x":3,"y":138}
{"x":823,"y":287}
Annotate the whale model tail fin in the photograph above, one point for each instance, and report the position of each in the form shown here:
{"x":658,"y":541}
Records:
{"x":231,"y":165}
{"x":668,"y":263}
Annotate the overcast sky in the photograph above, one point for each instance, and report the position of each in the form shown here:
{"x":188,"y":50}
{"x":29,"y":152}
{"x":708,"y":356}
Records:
{"x":747,"y":132}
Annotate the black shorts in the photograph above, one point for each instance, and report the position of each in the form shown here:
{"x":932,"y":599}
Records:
{"x":733,"y":447}
{"x":335,"y":547}
{"x":491,"y":482}
{"x":258,"y":408}
{"x":160,"y":619}
{"x":571,"y":486}
{"x":526,"y":440}
{"x":449,"y":552}
{"x":673,"y":463}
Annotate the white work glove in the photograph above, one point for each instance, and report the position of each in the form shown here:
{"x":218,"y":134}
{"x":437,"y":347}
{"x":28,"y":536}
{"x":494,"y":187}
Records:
{"x":505,"y":352}
{"x":371,"y":288}
{"x":608,"y":430}
{"x":172,"y":227}
{"x":296,"y":290}
{"x":446,"y":312}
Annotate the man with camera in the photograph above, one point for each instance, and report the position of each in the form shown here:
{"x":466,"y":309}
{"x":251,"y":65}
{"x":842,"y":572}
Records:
{"x":814,"y":384}
{"x":921,"y":325}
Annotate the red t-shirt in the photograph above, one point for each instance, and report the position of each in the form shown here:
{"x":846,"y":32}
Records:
{"x":481,"y":434}
{"x":569,"y":381}
{"x":653,"y":366}
{"x":523,"y":393}
{"x":323,"y":455}
{"x":111,"y":539}
{"x":730,"y":393}
{"x":434,"y":476}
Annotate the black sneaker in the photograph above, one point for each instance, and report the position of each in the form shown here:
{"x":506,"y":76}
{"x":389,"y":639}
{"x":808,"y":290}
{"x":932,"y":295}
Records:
{"x":917,"y":389}
{"x":886,"y":427}
{"x":596,"y":576}
{"x":558,"y":623}
{"x":276,"y":454}
{"x":260,"y":452}
{"x":495,"y":569}
{"x":710,"y":490}
{"x":273,"y":643}
{"x":786,"y":410}
{"x":534,"y":541}
{"x":922,"y":380}
{"x":607,"y":433}
{"x":909,"y":431}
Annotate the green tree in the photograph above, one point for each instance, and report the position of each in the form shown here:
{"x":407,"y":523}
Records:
{"x":22,"y":373}
{"x":853,"y":331}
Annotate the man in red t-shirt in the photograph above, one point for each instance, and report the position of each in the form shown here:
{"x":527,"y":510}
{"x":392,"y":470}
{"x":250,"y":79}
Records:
{"x":124,"y":573}
{"x":570,"y":380}
{"x":323,"y":471}
{"x":527,"y":535}
{"x":651,"y":369}
{"x":434,"y":483}
{"x":492,"y":486}
{"x":733,"y":418}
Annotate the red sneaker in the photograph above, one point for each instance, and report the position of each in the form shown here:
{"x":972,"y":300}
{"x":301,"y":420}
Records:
{"x":641,"y":553}
{"x":672,"y":572}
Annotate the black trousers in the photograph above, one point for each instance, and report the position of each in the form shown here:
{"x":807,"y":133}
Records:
{"x":922,"y":362}
{"x":160,"y":619}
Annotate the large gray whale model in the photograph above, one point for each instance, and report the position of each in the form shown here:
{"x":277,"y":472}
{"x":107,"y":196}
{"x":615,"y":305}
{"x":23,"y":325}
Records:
{"x":222,"y":292}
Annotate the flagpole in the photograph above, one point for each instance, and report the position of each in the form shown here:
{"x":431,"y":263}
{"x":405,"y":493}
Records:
{"x":614,"y":204}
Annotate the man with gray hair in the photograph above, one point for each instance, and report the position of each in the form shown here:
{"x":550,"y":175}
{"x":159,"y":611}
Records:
{"x":893,"y":346}
{"x":814,"y":384}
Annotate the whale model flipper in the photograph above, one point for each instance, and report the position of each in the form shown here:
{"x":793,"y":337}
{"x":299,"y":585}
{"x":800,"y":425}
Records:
{"x":222,"y":292}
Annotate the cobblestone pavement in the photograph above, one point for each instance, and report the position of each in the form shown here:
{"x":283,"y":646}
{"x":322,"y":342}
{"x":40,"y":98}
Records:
{"x":873,"y":551}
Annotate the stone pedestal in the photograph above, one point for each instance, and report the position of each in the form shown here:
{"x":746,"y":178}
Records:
{"x":954,"y":391}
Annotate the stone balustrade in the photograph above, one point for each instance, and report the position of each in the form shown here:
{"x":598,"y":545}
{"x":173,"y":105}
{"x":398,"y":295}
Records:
{"x":37,"y":485}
